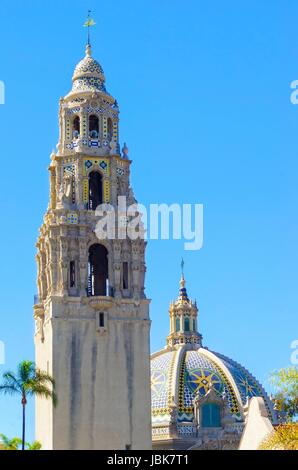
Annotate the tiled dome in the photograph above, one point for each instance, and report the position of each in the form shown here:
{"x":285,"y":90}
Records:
{"x":191,"y":373}
{"x":88,"y":75}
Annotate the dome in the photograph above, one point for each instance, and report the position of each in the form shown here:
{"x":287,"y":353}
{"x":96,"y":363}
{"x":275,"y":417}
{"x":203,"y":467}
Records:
{"x":88,"y":75}
{"x":198,"y":397}
{"x":190,"y":374}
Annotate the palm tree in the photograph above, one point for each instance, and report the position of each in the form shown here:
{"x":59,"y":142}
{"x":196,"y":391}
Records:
{"x":10,"y":444}
{"x":28,"y":381}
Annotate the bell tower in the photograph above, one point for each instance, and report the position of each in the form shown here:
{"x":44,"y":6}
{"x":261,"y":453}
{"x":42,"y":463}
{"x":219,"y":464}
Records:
{"x":91,"y":312}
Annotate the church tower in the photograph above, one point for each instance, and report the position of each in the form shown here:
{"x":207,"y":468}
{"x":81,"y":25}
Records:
{"x":91,"y":312}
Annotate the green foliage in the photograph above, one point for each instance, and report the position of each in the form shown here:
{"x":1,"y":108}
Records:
{"x":34,"y":446}
{"x":15,"y":442}
{"x":28,"y":381}
{"x":285,"y":382}
{"x":10,"y":444}
{"x":284,"y":437}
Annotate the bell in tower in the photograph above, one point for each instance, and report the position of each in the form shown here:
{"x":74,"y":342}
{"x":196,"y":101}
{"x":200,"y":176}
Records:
{"x":91,"y":315}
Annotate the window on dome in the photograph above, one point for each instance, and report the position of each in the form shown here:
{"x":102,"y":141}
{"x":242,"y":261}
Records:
{"x":186,"y":324}
{"x":210,"y":415}
{"x":110,"y":129}
{"x":93,"y":126}
{"x":194,"y":324}
{"x":76,"y":127}
{"x":98,"y":270}
{"x":95,"y":190}
{"x":177,"y":324}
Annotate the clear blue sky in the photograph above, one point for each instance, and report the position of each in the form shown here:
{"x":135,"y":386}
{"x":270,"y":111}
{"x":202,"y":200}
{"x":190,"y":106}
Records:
{"x":204,"y":94}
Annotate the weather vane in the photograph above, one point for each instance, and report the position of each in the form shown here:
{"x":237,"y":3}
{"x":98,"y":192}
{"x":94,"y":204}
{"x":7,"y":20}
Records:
{"x":90,"y":22}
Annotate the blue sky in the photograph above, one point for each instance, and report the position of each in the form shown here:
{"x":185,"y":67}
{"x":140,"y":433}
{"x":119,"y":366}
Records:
{"x":204,"y":95}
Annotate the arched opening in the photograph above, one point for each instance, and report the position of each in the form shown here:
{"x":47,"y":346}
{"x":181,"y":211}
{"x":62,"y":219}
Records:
{"x":98,"y":271}
{"x":177,"y":324}
{"x":110,"y":129}
{"x":93,"y":126}
{"x":95,"y":190}
{"x":210,"y":415}
{"x":186,"y":324}
{"x":76,"y":127}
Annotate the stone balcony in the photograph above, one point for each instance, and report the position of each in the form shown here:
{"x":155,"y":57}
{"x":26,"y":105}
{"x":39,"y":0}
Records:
{"x":100,"y":302}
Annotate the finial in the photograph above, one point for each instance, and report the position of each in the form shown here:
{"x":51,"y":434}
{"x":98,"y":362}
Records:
{"x":125,"y":151}
{"x":90,"y":22}
{"x":182,"y":280}
{"x":88,"y":51}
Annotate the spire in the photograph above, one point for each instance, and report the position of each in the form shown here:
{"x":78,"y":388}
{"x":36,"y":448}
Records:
{"x":90,"y":22}
{"x":182,"y":291}
{"x":183,"y":319}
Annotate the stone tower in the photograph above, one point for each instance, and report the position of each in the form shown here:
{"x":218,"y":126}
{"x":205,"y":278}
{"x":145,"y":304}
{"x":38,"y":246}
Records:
{"x":91,"y":312}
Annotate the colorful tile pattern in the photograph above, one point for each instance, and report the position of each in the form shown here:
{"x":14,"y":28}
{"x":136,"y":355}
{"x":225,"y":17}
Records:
{"x":102,"y":164}
{"x":196,"y":375}
{"x":161,"y":373}
{"x":72,"y":218}
{"x":89,"y":84}
{"x":246,"y":383}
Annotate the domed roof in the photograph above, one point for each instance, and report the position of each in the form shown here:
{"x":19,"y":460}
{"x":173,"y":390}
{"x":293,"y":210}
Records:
{"x":184,"y":372}
{"x":189,"y":373}
{"x":88,"y":75}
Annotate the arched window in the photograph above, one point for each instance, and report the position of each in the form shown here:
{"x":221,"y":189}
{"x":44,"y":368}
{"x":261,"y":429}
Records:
{"x":194,"y":324}
{"x":95,"y":190}
{"x":110,"y":129}
{"x":210,"y":415}
{"x":93,"y":126}
{"x":76,"y":127}
{"x":186,"y":324}
{"x":177,"y":324}
{"x":98,"y":272}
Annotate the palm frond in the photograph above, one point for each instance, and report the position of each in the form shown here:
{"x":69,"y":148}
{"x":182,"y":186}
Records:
{"x":43,"y":377}
{"x":26,"y":370}
{"x":9,"y":389}
{"x":10,"y":444}
{"x":41,"y":390}
{"x":11,"y":380}
{"x":5,"y":439}
{"x":36,"y":445}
